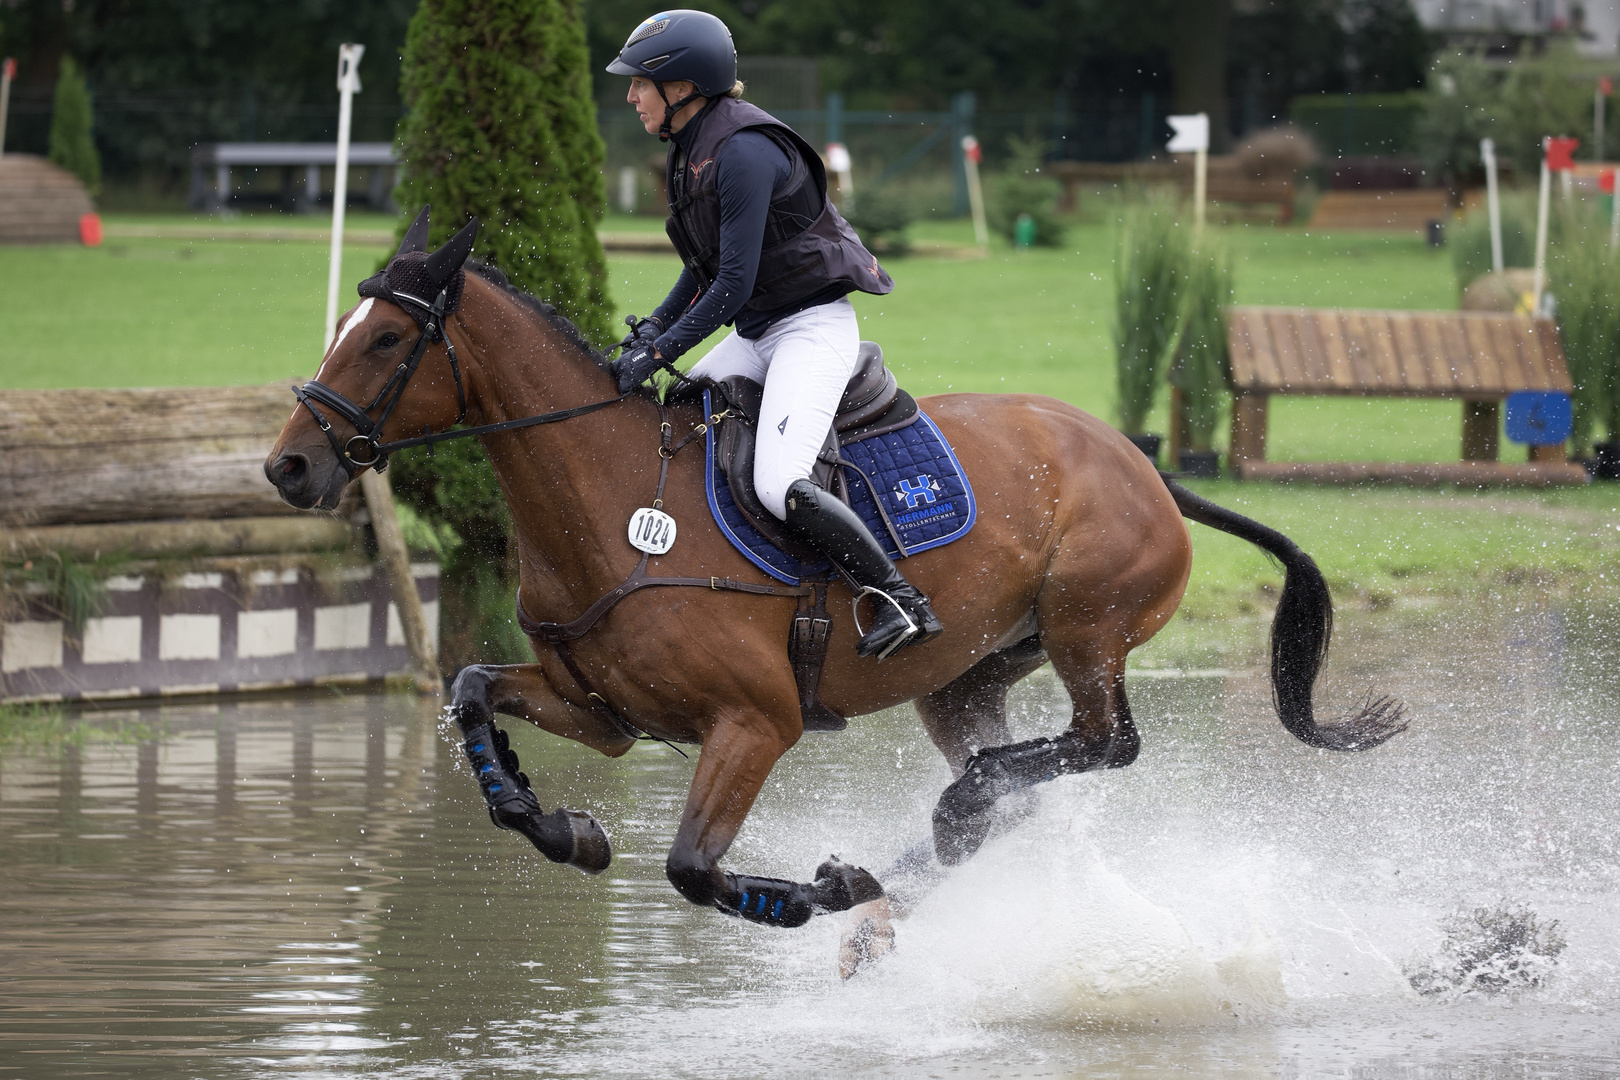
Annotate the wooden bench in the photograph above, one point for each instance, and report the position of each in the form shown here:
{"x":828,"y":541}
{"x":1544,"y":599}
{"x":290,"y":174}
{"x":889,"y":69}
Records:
{"x":1479,"y":357}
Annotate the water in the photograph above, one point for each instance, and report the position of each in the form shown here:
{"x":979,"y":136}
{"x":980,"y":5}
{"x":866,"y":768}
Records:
{"x":310,"y":888}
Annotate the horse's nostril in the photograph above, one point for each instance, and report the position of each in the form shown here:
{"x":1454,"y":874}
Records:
{"x":288,"y":471}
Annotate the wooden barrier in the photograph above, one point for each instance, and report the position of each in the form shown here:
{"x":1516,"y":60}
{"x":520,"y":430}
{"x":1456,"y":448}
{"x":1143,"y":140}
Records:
{"x":209,"y":582}
{"x":71,"y":456}
{"x":1480,"y":357}
{"x":1408,"y":210}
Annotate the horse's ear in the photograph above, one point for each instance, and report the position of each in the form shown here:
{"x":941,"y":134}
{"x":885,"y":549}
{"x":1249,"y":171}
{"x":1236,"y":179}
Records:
{"x":415,"y":236}
{"x":443,"y":264}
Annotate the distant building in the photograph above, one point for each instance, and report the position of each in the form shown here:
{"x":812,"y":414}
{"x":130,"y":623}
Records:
{"x":1504,"y":27}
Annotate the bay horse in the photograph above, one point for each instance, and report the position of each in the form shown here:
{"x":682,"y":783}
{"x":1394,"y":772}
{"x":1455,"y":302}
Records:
{"x":1079,"y":554}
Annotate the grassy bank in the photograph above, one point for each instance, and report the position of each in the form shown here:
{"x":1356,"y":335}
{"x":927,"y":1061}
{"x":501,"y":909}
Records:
{"x":143,"y":311}
{"x":153,"y":311}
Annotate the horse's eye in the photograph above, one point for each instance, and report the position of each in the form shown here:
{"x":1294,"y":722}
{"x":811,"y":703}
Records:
{"x":387,"y":341}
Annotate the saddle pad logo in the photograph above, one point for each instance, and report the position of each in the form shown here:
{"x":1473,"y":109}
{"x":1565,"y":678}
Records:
{"x":912,"y":493}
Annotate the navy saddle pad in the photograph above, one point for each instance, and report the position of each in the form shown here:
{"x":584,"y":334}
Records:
{"x":913,"y":471}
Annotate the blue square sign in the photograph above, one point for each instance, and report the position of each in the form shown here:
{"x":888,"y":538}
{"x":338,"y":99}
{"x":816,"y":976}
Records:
{"x":1539,"y":417}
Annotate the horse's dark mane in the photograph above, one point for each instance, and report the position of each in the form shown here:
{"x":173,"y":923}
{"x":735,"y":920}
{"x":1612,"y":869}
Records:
{"x":559,"y":322}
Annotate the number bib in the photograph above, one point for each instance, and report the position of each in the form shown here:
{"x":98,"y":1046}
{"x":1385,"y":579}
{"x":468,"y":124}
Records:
{"x":652,"y":531}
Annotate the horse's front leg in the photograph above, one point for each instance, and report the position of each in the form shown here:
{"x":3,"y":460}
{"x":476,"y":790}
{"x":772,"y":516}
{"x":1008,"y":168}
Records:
{"x":479,"y":692}
{"x":737,"y":757}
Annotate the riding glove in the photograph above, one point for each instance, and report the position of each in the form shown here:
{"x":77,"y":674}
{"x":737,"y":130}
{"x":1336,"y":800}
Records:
{"x":635,"y":366}
{"x":644,"y":331}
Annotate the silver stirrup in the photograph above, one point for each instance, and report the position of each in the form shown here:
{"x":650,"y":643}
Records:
{"x":911,"y":631}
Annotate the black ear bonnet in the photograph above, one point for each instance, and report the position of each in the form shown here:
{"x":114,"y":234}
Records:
{"x":415,"y":277}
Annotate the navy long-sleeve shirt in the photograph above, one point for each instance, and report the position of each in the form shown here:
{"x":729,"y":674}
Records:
{"x":749,"y":170}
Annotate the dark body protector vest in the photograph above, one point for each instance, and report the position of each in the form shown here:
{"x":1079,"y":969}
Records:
{"x":808,"y":245}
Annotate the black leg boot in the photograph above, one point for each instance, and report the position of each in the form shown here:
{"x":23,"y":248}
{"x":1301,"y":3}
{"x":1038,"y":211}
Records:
{"x":826,"y":524}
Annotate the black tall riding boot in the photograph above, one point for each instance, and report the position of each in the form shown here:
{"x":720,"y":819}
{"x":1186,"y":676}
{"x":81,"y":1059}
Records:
{"x":826,"y":524}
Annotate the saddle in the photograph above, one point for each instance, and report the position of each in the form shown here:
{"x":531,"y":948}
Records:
{"x":873,"y":404}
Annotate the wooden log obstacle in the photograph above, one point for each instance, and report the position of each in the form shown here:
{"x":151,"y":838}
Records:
{"x":1478,"y":357}
{"x":202,"y":580}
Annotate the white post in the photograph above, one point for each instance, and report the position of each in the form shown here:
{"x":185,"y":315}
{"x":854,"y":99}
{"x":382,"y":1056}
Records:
{"x":1200,"y":186}
{"x":1192,"y":136}
{"x":971,"y":156}
{"x":8,"y":71}
{"x":1597,"y":120}
{"x":1541,"y":238}
{"x":1493,"y":201}
{"x":627,"y":190}
{"x":1614,"y":212}
{"x":348,"y":85}
{"x":838,"y":160}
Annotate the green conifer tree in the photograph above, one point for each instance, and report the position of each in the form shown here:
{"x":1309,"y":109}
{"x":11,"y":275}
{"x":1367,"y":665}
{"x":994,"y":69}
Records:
{"x":502,"y":125}
{"x":71,"y":145}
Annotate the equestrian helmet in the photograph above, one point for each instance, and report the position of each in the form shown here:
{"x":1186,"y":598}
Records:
{"x":681,"y":44}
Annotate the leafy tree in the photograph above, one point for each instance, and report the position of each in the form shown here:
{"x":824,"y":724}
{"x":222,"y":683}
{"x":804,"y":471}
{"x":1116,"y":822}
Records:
{"x":501,"y":126}
{"x":71,"y":144}
{"x":1025,"y":189}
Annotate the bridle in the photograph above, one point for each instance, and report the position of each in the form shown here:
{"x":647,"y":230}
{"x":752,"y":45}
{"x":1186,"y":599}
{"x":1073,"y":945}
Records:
{"x":368,"y":432}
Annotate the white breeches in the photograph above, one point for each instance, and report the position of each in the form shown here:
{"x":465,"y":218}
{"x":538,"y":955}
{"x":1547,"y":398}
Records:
{"x":804,"y":363}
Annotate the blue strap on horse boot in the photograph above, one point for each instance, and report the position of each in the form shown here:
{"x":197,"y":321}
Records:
{"x":774,"y":902}
{"x":825,"y":523}
{"x":562,"y":836}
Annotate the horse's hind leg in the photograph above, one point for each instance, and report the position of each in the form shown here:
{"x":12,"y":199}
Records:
{"x":480,"y":691}
{"x":970,"y":713}
{"x":1100,"y":735}
{"x":963,"y":717}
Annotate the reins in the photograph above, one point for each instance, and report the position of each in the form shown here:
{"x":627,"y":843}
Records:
{"x":368,"y":432}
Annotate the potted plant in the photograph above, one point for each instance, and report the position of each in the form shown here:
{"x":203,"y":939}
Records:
{"x":1586,"y":281}
{"x":1149,"y":264}
{"x":1201,"y":372}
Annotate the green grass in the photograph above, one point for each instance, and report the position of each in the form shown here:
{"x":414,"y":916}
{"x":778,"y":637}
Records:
{"x":156,"y":312}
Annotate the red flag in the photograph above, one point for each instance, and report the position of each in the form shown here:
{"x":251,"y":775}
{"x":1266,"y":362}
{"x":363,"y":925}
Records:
{"x":1561,"y":152}
{"x":970,"y":147}
{"x":1605,"y":85}
{"x":1606,"y":181}
{"x":9,"y":70}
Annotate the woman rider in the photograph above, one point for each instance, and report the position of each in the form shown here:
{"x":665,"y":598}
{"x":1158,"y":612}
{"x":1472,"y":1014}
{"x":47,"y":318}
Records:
{"x":766,"y":250}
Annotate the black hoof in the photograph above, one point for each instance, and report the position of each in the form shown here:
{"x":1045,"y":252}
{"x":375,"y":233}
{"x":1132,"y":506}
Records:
{"x":592,"y":852}
{"x":957,"y":837}
{"x":840,"y":886}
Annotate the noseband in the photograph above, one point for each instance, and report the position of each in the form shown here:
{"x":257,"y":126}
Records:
{"x":368,"y":432}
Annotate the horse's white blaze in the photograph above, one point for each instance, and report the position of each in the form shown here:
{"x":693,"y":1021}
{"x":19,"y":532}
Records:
{"x":350,"y":323}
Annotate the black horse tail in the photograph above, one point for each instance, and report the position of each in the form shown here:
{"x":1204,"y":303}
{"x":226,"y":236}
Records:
{"x":1299,"y":636}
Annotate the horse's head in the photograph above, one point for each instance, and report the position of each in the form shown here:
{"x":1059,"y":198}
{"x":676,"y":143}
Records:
{"x":389,"y":373}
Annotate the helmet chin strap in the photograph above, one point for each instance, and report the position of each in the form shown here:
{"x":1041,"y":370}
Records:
{"x":671,"y":110}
